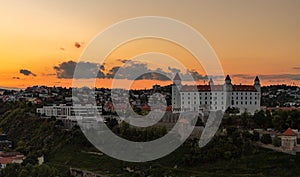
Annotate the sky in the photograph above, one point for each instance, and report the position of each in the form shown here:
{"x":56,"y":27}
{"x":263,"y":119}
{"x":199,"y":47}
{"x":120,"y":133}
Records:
{"x":42,"y":40}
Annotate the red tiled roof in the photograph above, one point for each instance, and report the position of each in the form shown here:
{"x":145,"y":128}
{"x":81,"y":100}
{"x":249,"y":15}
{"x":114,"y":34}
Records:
{"x":191,"y":88}
{"x":243,"y":88}
{"x":6,"y":160}
{"x":210,"y":87}
{"x":289,"y":132}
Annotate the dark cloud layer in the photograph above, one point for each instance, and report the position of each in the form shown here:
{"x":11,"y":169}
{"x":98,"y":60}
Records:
{"x":131,"y":70}
{"x":85,"y":70}
{"x":26,"y":72}
{"x":271,"y":77}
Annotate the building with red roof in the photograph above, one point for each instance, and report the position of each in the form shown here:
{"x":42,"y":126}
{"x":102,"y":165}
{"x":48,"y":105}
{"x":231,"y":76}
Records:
{"x":288,"y":140}
{"x":10,"y":157}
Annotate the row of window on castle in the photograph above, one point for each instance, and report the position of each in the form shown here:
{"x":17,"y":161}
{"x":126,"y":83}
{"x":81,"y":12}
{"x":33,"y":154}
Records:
{"x":232,"y":103}
{"x":215,"y":98}
{"x":216,"y":93}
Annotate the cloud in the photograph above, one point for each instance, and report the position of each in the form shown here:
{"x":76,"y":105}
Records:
{"x":173,"y":70}
{"x":133,"y":70}
{"x":296,"y":68}
{"x":244,"y":76}
{"x":26,"y":72}
{"x":86,"y":70}
{"x":271,"y":77}
{"x":77,"y":45}
{"x":16,"y":78}
{"x":130,"y":70}
{"x":123,"y":60}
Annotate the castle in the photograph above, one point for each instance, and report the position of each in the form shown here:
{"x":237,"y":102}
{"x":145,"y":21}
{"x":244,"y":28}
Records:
{"x":187,"y":98}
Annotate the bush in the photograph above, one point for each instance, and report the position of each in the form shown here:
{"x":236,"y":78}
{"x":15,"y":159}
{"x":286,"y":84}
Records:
{"x":266,"y":139}
{"x":276,"y":141}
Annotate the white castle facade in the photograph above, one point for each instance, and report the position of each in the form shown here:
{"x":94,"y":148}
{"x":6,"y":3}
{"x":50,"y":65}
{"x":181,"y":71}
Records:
{"x":212,"y":97}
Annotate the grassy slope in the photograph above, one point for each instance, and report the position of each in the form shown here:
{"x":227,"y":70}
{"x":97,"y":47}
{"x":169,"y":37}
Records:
{"x":64,"y":149}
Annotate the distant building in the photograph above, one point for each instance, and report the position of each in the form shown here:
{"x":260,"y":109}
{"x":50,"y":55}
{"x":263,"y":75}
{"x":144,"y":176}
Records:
{"x":215,"y":97}
{"x":64,"y":111}
{"x":10,"y":157}
{"x":4,"y":142}
{"x":288,"y":140}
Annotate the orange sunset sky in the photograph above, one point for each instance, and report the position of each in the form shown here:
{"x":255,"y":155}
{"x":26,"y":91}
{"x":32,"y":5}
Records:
{"x":250,"y":38}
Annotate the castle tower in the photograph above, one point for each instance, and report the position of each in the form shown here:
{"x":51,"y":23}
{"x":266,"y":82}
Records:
{"x":227,"y":89}
{"x":257,"y":84}
{"x":227,"y":85}
{"x":176,"y":99}
{"x":211,"y":82}
{"x":258,"y":88}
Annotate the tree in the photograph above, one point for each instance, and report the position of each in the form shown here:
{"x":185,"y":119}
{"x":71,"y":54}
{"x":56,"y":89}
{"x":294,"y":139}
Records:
{"x":276,"y":141}
{"x":266,"y":139}
{"x":260,"y":119}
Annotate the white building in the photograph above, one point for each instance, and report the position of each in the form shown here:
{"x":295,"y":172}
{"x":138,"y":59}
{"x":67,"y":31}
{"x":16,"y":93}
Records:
{"x":64,"y":111}
{"x":215,"y":97}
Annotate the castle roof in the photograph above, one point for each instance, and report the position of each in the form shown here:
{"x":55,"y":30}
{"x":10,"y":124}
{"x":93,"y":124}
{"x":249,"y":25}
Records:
{"x":177,"y":77}
{"x":228,"y":78}
{"x":289,"y":132}
{"x":243,"y":88}
{"x":256,"y":78}
{"x":203,"y":88}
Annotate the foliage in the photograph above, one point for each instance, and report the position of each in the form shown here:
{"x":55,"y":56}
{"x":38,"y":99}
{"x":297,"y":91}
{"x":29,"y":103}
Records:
{"x":266,"y":139}
{"x":276,"y":141}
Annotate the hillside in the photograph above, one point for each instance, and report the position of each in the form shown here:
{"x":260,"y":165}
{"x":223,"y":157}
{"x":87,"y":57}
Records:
{"x":231,"y":155}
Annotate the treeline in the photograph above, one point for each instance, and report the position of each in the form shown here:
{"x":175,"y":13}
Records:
{"x":279,"y":120}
